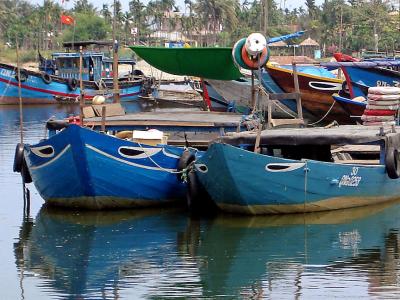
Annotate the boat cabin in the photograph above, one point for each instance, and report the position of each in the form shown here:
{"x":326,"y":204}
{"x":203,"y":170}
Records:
{"x":96,"y":65}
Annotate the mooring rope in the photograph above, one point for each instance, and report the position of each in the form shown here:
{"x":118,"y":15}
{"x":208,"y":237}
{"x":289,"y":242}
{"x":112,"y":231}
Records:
{"x":162,"y":168}
{"x":327,"y":113}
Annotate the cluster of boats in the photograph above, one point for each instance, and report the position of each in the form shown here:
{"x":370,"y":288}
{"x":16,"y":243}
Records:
{"x":223,"y":159}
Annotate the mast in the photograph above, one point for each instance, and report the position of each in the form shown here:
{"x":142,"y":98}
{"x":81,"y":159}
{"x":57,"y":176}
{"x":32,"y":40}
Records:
{"x":115,"y":60}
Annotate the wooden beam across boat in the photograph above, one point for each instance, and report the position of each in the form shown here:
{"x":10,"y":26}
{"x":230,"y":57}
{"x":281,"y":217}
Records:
{"x":170,"y":121}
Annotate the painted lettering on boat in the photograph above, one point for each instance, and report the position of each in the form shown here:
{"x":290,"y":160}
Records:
{"x":384,"y":83}
{"x":6,"y":72}
{"x":350,"y":180}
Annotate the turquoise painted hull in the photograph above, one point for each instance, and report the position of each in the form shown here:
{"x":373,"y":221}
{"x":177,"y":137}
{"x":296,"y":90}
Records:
{"x":242,"y":181}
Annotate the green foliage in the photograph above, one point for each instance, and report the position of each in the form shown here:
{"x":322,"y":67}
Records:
{"x":88,"y":27}
{"x":351,"y":24}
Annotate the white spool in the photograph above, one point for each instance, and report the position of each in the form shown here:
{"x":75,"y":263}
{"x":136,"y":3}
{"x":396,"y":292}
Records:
{"x":255,"y":44}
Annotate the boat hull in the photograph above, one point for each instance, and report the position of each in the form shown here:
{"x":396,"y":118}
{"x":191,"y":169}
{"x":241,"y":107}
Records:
{"x":34,"y":90}
{"x":360,"y":79}
{"x":241,"y":181}
{"x":91,"y":170}
{"x":316,"y":94}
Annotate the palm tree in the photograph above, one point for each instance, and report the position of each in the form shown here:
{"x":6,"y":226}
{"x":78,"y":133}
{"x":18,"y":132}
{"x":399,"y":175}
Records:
{"x":127,"y":19}
{"x":136,"y":9}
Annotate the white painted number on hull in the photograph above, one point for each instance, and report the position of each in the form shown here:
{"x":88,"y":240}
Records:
{"x":350,"y":180}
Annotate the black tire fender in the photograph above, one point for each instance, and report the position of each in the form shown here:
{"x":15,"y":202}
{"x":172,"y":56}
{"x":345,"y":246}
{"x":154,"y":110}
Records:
{"x":186,"y":158}
{"x":18,"y":157}
{"x":26,"y":175}
{"x":46,"y":78}
{"x":197,"y":199}
{"x":392,"y":162}
{"x":23,"y":75}
{"x":193,"y":191}
{"x":72,"y":84}
{"x":137,"y":72}
{"x":345,"y":88}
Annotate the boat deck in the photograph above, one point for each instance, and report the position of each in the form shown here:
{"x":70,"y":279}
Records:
{"x":347,"y":134}
{"x":170,"y":121}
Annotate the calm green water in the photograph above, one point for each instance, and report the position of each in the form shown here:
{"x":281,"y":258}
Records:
{"x":56,"y":254}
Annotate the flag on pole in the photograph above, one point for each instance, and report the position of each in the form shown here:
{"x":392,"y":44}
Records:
{"x":67,"y":20}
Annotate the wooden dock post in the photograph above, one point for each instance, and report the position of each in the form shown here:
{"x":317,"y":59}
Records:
{"x":82,"y":96}
{"x":297,"y":91}
{"x":103,"y":118}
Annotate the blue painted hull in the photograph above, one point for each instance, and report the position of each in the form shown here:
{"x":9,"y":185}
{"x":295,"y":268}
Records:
{"x":83,"y":168}
{"x":35,"y":91}
{"x":361,"y":79}
{"x":239,"y":181}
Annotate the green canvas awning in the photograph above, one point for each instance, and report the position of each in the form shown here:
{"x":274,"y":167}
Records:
{"x":212,"y":63}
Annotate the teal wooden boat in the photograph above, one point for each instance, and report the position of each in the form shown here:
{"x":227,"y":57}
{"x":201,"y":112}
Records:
{"x":301,"y":170}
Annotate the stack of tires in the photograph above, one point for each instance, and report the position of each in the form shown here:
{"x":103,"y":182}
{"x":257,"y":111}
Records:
{"x":382,"y":106}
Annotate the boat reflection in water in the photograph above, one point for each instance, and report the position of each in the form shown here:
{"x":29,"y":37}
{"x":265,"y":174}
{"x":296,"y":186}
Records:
{"x":96,"y":255}
{"x":346,"y":253}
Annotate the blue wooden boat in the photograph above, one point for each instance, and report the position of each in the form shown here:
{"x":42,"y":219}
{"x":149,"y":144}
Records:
{"x":78,"y":167}
{"x":301,"y":170}
{"x":59,"y":80}
{"x":42,"y":88}
{"x":354,"y":108}
{"x":361,"y":75}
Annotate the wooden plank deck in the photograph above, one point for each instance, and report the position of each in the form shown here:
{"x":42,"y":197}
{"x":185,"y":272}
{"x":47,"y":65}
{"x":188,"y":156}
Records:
{"x":196,"y":120}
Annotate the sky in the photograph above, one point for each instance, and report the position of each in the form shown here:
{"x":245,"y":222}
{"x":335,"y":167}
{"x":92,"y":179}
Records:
{"x":290,"y":4}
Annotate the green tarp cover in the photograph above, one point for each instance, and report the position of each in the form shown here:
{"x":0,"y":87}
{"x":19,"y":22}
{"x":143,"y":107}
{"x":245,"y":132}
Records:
{"x":212,"y":63}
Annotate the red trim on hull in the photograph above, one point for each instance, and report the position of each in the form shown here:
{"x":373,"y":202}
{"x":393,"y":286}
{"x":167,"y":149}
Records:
{"x":26,"y":100}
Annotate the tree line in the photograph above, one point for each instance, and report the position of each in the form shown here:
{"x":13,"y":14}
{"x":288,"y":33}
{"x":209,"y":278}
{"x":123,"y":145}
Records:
{"x":349,"y":25}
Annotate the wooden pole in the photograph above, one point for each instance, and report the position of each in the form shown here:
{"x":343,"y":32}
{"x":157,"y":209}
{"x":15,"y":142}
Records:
{"x":297,"y":90}
{"x":82,"y":96}
{"x":21,"y":116}
{"x":115,"y":58}
{"x":103,"y":118}
{"x":253,"y":90}
{"x":115,"y":73}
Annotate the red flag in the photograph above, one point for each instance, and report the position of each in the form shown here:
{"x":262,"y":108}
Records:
{"x":67,"y":20}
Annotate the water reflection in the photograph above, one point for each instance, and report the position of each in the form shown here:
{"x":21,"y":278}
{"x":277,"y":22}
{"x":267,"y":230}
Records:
{"x":153,"y":253}
{"x":324,"y":254}
{"x":95,"y":254}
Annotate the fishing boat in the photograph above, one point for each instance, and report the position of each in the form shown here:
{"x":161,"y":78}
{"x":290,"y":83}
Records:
{"x":101,"y":171}
{"x":222,"y":84}
{"x":119,"y":162}
{"x":236,"y":95}
{"x":300,"y":169}
{"x":361,"y":75}
{"x":316,"y":86}
{"x":61,"y":82}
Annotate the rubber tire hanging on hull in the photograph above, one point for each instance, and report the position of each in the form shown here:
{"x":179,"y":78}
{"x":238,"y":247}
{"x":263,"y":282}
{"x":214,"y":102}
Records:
{"x":23,"y":75}
{"x":184,"y":161}
{"x":46,"y":78}
{"x":198,"y":200}
{"x":20,"y":165}
{"x":392,"y":161}
{"x":18,"y":157}
{"x":26,"y":175}
{"x":72,"y":84}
